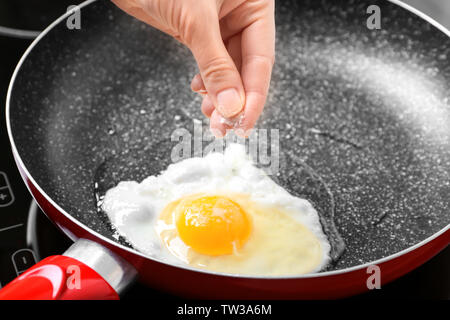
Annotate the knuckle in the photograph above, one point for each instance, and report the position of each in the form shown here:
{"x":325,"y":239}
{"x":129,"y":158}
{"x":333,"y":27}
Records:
{"x":188,"y":27}
{"x":217,"y":69}
{"x":194,"y":24}
{"x":258,"y":94}
{"x":264,"y":59}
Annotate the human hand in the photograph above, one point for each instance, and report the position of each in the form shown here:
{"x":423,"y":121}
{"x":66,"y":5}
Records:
{"x":233,"y":42}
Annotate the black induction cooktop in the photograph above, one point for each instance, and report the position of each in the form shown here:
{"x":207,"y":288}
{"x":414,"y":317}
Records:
{"x":27,"y":236}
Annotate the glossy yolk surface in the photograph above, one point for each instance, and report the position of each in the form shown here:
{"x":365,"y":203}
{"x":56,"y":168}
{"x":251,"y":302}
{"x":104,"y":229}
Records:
{"x":212,"y":225}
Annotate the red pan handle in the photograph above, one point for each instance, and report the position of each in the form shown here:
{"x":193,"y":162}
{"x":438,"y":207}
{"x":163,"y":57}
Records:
{"x":87,"y":270}
{"x":59,"y":278}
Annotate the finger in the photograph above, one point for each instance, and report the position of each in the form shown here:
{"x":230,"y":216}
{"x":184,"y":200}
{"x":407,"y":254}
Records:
{"x":258,"y":52}
{"x":240,"y":18}
{"x":207,"y":106}
{"x":218,"y":125}
{"x":254,"y":105}
{"x":197,"y":84}
{"x":235,"y":51}
{"x":233,"y":46}
{"x":228,"y":6}
{"x":218,"y":71}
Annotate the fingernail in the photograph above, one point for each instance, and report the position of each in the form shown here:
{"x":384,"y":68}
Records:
{"x":229,"y":103}
{"x":197,"y":83}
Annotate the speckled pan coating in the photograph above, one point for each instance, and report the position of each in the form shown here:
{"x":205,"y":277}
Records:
{"x":367,"y":112}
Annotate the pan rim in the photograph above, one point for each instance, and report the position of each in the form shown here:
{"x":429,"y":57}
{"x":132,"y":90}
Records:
{"x":21,"y":165}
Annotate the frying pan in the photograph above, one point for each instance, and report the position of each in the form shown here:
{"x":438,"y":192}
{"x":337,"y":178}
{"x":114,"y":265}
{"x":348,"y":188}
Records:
{"x":363,"y":117}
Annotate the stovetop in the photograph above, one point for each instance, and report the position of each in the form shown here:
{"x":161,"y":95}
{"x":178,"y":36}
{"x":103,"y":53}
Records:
{"x":27,"y":236}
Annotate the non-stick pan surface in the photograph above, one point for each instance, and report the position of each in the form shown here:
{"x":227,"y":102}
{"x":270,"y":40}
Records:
{"x":363,"y":116}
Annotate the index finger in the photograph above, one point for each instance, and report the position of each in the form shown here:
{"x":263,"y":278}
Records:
{"x":258,"y":55}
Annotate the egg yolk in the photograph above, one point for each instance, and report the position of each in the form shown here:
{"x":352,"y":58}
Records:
{"x":212,"y":225}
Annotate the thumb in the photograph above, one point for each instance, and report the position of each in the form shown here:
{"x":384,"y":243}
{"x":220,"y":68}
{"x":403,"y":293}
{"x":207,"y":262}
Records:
{"x":218,"y":71}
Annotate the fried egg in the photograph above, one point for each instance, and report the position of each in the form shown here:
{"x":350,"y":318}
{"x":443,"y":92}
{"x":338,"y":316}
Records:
{"x":220,"y":213}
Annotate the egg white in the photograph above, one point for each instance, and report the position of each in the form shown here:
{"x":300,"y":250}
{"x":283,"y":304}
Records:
{"x":133,"y":208}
